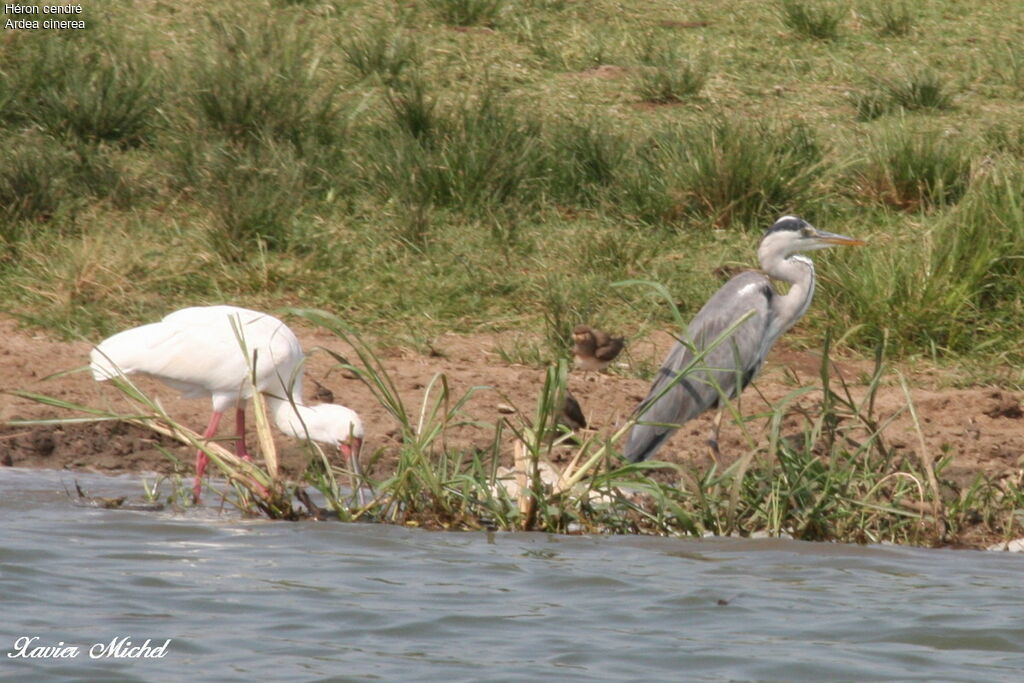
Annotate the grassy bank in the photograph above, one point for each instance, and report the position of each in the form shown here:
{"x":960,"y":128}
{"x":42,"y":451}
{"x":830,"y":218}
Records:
{"x":468,"y":164}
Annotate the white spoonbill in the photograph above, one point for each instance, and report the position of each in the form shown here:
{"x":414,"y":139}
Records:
{"x":198,"y":352}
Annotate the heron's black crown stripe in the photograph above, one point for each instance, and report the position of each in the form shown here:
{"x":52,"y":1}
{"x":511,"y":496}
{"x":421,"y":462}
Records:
{"x":787,"y":223}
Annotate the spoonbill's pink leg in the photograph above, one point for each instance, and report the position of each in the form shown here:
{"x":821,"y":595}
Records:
{"x":201,"y":458}
{"x":240,"y":450}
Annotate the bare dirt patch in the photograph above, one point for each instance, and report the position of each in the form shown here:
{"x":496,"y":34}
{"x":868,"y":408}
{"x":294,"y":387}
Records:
{"x":669,"y":23}
{"x":602,"y":71}
{"x":981,"y":428}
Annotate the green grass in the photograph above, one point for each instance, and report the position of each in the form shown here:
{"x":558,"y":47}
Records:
{"x":950,"y":286}
{"x":921,"y":89}
{"x":892,"y":19}
{"x":731,"y":172}
{"x":913,"y":170}
{"x":259,"y":78}
{"x":464,"y":154}
{"x":82,"y":88}
{"x":371,"y":159}
{"x":467,"y":12}
{"x":33,"y":182}
{"x":255,"y":195}
{"x":666,"y":75}
{"x":1007,"y":65}
{"x":917,"y":90}
{"x":383,"y":51}
{"x":815,"y":20}
{"x":672,"y":81}
{"x":871,"y":104}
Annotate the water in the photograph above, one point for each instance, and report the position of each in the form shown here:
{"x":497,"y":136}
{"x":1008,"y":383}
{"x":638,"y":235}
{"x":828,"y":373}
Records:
{"x":250,"y":599}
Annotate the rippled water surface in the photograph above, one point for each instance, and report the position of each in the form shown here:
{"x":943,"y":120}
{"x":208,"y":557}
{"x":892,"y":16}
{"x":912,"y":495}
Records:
{"x":258,"y":600}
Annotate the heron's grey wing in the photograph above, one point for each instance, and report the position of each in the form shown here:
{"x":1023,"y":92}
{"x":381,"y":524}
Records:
{"x":660,"y":407}
{"x":732,"y":365}
{"x":726,"y":369}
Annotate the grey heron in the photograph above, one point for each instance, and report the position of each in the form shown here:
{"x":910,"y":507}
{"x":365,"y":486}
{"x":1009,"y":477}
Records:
{"x":730,"y":366}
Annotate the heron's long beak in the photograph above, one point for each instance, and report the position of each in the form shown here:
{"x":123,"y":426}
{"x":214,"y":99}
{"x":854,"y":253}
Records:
{"x":833,"y":238}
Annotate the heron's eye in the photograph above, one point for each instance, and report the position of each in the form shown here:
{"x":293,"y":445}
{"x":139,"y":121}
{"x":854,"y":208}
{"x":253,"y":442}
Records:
{"x":806,"y":232}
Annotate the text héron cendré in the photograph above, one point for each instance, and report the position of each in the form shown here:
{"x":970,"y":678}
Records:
{"x":44,"y":10}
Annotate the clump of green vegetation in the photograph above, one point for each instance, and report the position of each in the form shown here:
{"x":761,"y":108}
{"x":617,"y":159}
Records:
{"x":33,"y":182}
{"x":916,"y":90}
{"x":385,"y":51}
{"x":913,"y":170}
{"x":82,"y":88}
{"x":920,"y":90}
{"x":944,"y":286}
{"x":739,"y":173}
{"x":475,"y":153}
{"x":468,"y":12}
{"x":1007,"y":63}
{"x":255,"y":193}
{"x":871,"y":104}
{"x":261,"y":79}
{"x":672,"y":81}
{"x":1006,"y":138}
{"x":45,"y":182}
{"x":817,"y":20}
{"x":666,"y":75}
{"x":587,"y":158}
{"x":891,"y":18}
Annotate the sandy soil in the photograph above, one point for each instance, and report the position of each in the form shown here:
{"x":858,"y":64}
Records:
{"x":983,"y":428}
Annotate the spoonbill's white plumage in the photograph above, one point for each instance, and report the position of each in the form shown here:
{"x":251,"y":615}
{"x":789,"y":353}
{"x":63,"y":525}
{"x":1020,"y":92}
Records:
{"x":214,"y":351}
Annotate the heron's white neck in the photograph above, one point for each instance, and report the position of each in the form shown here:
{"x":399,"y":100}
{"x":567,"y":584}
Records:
{"x":798,"y":271}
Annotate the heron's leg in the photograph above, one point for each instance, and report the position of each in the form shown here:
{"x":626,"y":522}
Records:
{"x":240,"y":448}
{"x":201,"y":458}
{"x":713,"y":441}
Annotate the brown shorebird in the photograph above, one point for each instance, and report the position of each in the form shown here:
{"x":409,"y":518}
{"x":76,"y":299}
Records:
{"x":594,"y":349}
{"x":571,"y":415}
